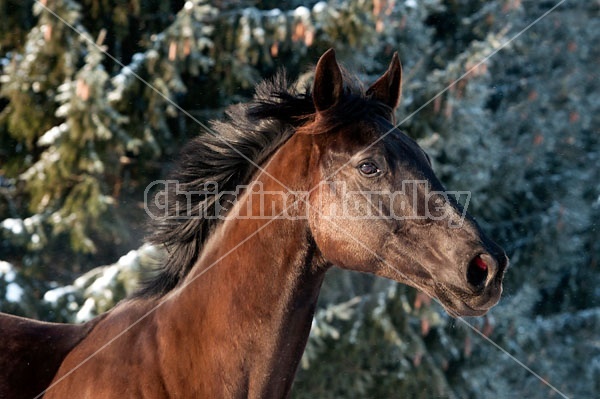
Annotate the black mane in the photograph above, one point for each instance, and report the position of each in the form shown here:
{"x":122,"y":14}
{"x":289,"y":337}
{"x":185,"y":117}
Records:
{"x":226,"y":156}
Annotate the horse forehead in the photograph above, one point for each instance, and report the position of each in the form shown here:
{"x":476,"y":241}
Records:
{"x":372,"y":135}
{"x":397,"y":142}
{"x":381,"y":133}
{"x":357,"y":136}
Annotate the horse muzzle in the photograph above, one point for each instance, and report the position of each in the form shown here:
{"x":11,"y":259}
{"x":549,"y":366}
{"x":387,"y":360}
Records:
{"x":480,"y":289}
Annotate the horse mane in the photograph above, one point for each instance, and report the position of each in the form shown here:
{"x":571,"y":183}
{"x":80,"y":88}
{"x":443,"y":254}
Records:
{"x":226,"y":157}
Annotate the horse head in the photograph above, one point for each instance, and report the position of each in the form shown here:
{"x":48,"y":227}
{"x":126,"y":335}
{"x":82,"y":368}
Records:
{"x":379,"y":207}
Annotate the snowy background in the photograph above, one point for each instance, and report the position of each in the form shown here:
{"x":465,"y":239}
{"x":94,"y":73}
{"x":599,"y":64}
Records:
{"x":82,"y":135}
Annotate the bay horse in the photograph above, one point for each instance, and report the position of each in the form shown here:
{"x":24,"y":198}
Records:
{"x":229,"y":312}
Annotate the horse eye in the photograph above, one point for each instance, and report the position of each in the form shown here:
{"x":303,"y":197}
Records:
{"x":369,"y":169}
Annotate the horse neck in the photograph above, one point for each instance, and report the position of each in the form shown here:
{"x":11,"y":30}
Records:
{"x":244,"y":312}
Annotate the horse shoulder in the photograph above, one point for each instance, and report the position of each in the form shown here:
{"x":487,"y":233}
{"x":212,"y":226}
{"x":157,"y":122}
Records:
{"x":117,"y":359}
{"x":31,"y":352}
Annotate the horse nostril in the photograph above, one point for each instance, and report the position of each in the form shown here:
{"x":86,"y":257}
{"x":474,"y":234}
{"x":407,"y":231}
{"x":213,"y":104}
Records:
{"x":477,"y":272}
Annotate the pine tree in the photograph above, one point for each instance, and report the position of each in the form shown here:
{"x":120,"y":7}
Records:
{"x":86,"y":134}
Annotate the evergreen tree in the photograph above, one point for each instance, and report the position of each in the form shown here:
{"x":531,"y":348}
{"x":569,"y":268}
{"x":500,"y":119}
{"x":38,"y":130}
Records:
{"x":81,"y":135}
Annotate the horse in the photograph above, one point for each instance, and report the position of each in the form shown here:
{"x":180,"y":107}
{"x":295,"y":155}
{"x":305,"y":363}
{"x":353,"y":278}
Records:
{"x":301,"y":180}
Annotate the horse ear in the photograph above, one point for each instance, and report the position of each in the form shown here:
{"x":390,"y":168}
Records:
{"x":388,"y":87}
{"x":328,"y":86}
